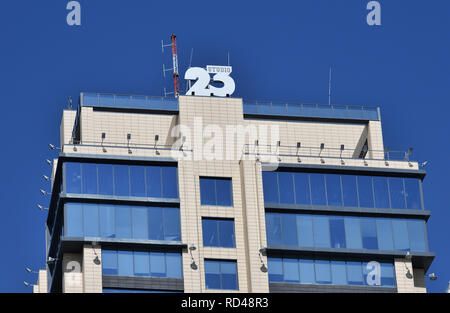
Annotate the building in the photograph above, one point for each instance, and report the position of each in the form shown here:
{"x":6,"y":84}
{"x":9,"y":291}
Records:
{"x":242,"y":197}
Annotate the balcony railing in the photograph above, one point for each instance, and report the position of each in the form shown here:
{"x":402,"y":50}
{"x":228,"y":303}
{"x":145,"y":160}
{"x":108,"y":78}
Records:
{"x":128,"y":102}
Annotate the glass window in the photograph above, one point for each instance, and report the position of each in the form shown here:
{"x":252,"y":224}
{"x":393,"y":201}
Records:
{"x":91,"y":225}
{"x":381,"y":192}
{"x":369,"y":233}
{"x":173,"y":261}
{"x":339,"y":272}
{"x":321,"y":231}
{"x":397,"y":192}
{"x":412,"y":193}
{"x":349,"y":190}
{"x":273,"y":221}
{"x":109,"y":262}
{"x":169,"y":182}
{"x":212,"y":274}
{"x":387,"y":275}
{"x":105,"y":179}
{"x":155,"y":223}
{"x":289,"y":229}
{"x":302,"y":192}
{"x":353,"y":232}
{"x":73,"y":177}
{"x":385,"y":237}
{"x":121,"y":180}
{"x":337,"y":232}
{"x":74,"y":220}
{"x":318,"y":195}
{"x":416,"y":231}
{"x":401,"y":239}
{"x":207,"y":191}
{"x":270,"y":185}
{"x":275,"y":269}
{"x":123,"y":221}
{"x":153,"y":179}
{"x":140,"y":219}
{"x":157,"y":264}
{"x":226,"y":233}
{"x":365,"y":191}
{"x":141,"y":263}
{"x":210,"y":236}
{"x":89,"y":176}
{"x":354,"y":273}
{"x":172,"y":228}
{"x":334,"y":194}
{"x":305,"y":230}
{"x":107,"y":221}
{"x":223,"y":192}
{"x":287,"y":191}
{"x":137,"y":181}
{"x":307,"y":275}
{"x":291,"y":271}
{"x":229,"y":275}
{"x":323,"y":271}
{"x":125,"y":262}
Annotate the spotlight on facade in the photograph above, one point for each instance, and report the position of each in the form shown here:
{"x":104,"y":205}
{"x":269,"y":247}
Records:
{"x":432,"y":276}
{"x":29,"y":270}
{"x":53,"y":147}
{"x":423,"y":164}
{"x":44,"y":193}
{"x":49,"y":162}
{"x":448,"y":288}
{"x":46,"y":177}
{"x":40,"y":207}
{"x":27,"y":284}
{"x":408,"y":255}
{"x":50,"y":260}
{"x":192,"y":247}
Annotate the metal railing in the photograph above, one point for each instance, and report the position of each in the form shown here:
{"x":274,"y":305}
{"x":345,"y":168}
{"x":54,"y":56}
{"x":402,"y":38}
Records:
{"x":126,"y":145}
{"x":312,"y":110}
{"x":128,"y":101}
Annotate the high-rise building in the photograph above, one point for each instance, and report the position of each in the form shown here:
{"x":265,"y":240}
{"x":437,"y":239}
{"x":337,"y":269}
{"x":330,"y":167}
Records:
{"x":210,"y":194}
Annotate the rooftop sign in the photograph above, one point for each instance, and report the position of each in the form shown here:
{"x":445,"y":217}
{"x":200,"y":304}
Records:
{"x":202,"y":81}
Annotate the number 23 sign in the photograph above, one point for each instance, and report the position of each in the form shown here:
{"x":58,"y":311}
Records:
{"x":202,"y":85}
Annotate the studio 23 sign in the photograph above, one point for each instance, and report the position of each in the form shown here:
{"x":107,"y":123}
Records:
{"x":202,"y":81}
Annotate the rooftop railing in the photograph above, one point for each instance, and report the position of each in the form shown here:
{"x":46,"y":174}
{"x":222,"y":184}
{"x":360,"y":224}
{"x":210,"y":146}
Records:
{"x":128,"y":102}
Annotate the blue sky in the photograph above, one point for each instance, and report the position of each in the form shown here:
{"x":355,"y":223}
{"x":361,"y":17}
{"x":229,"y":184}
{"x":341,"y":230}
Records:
{"x":279,"y":50}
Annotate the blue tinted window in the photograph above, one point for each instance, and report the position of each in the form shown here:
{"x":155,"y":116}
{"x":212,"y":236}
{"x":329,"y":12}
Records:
{"x":125,"y":262}
{"x":141,"y":263}
{"x":289,"y":229}
{"x":307,"y":275}
{"x":318,"y":195}
{"x":337,"y":232}
{"x":107,"y":221}
{"x":140,"y":219}
{"x":109,"y":262}
{"x":123,"y":221}
{"x":287,"y":187}
{"x":172,"y":228}
{"x":221,"y":275}
{"x":73,"y":177}
{"x":105,"y":179}
{"x":218,"y":233}
{"x":334,"y":195}
{"x":173,"y":262}
{"x":74,"y":220}
{"x":353,"y":233}
{"x":229,"y":275}
{"x":416,"y":231}
{"x":210,"y":233}
{"x":365,"y":191}
{"x":273,"y":230}
{"x":305,"y":230}
{"x":224,"y":192}
{"x":397,"y":192}
{"x":275,"y":266}
{"x":349,"y":190}
{"x":401,"y":240}
{"x":226,"y":233}
{"x":323,"y":271}
{"x":157,"y":264}
{"x":207,"y":191}
{"x":385,"y":237}
{"x":89,"y":175}
{"x":155,"y":223}
{"x":170,"y":182}
{"x":381,"y":192}
{"x":121,"y":180}
{"x":339,"y":272}
{"x":387,"y":275}
{"x":354,"y":273}
{"x":153,"y":179}
{"x":137,"y":181}
{"x":212,"y":274}
{"x":321,"y":231}
{"x":412,"y":193}
{"x":291,"y":270}
{"x":91,"y":221}
{"x":302,"y":192}
{"x":270,"y":185}
{"x":369,"y":233}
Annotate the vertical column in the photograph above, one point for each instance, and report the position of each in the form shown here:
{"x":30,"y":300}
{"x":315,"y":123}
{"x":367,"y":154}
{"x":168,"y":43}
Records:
{"x":92,"y":269}
{"x":72,"y":273}
{"x":409,"y":280}
{"x":375,"y":140}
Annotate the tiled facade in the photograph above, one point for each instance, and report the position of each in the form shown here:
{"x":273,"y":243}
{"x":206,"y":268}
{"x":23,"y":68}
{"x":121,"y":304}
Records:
{"x":130,"y":134}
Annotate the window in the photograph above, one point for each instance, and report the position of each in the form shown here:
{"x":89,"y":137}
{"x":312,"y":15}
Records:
{"x":307,"y":275}
{"x":105,"y":179}
{"x":397,"y":192}
{"x":137,"y":181}
{"x":334,"y":190}
{"x":216,"y":191}
{"x":285,"y":180}
{"x":153,"y":179}
{"x":74,"y":220}
{"x":121,"y":180}
{"x":169,"y":182}
{"x":91,"y":221}
{"x":416,"y":230}
{"x":273,"y":229}
{"x":107,"y":221}
{"x":275,"y":266}
{"x":321,"y":231}
{"x":353,"y":232}
{"x":89,"y":177}
{"x":337,"y":232}
{"x":318,"y":195}
{"x":221,"y":274}
{"x":354,"y":273}
{"x":323,"y":271}
{"x":140,"y":222}
{"x":270,"y":185}
{"x":123,"y":221}
{"x":291,"y":271}
{"x":365,"y":191}
{"x":218,"y":233}
{"x":349,"y":191}
{"x":305,"y":230}
{"x":339,"y":272}
{"x":109,"y":262}
{"x":73,"y":177}
{"x":302,"y":192}
{"x":369,"y":233}
{"x":381,"y":192}
{"x":385,"y":236}
{"x":412,"y":191}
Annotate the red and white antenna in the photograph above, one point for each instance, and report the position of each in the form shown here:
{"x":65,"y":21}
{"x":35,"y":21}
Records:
{"x":176,"y":76}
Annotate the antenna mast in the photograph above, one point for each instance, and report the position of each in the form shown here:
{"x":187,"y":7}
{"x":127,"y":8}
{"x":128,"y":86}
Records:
{"x":329,"y":88}
{"x":176,"y":76}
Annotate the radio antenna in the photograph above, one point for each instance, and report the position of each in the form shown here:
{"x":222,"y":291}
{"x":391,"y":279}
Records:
{"x":188,"y":83}
{"x":329,"y":88}
{"x":176,"y":76}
